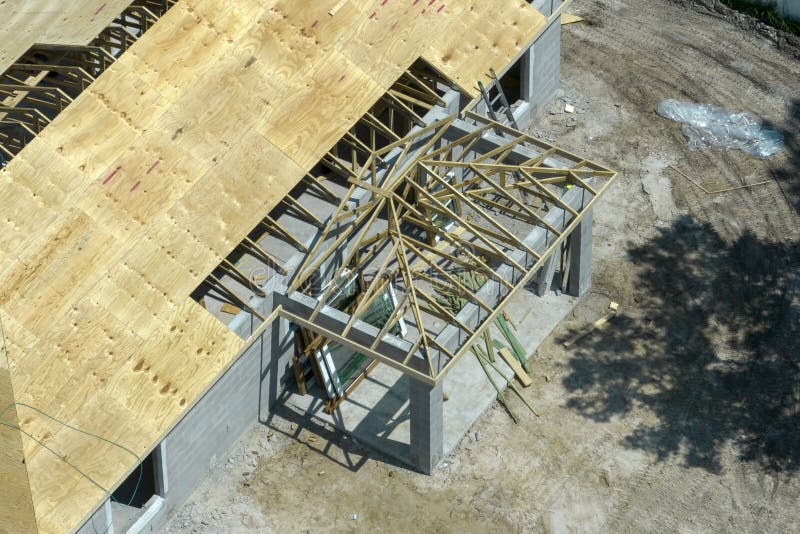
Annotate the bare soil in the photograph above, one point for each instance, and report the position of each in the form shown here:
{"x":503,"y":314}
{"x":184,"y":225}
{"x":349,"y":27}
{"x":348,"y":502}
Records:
{"x":683,"y":413}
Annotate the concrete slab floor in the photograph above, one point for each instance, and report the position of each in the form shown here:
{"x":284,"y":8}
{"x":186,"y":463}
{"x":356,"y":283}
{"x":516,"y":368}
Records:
{"x":377,"y":413}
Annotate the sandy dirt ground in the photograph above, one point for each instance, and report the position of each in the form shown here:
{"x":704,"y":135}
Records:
{"x":682,"y":414}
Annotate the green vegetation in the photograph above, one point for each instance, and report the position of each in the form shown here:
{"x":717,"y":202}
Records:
{"x":766,"y":14}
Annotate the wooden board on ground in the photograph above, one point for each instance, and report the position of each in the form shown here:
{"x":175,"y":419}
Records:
{"x":230,"y":308}
{"x":569,"y":18}
{"x":513,"y":362}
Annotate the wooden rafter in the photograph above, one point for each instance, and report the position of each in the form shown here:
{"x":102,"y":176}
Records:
{"x":436,"y":211}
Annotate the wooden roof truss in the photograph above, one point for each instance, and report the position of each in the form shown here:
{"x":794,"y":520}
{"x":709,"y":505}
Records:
{"x":414,"y":94}
{"x":438,"y":223}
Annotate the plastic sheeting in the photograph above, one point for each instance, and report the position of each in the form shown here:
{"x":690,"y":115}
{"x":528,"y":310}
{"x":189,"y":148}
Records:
{"x":707,"y":126}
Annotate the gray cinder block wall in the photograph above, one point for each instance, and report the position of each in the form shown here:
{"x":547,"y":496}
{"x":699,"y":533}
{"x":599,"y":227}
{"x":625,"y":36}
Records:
{"x":545,"y":59}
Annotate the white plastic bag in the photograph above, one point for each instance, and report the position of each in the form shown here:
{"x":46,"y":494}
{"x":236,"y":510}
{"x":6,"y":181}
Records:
{"x":708,"y":126}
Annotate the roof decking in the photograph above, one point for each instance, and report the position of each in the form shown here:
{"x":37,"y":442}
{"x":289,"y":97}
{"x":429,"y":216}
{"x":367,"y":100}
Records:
{"x":27,"y":22}
{"x":117,"y":211}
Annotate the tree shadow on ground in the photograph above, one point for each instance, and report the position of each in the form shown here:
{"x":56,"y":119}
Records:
{"x":711,"y":351}
{"x":788,"y":176}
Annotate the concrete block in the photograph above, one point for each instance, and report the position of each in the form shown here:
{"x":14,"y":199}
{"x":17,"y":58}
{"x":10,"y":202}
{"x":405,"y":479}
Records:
{"x":99,"y":522}
{"x":580,"y":261}
{"x":545,"y":275}
{"x":427,"y":425}
{"x":545,"y":65}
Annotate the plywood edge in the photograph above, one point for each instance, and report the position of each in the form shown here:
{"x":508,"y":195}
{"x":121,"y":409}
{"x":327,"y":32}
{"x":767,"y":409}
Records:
{"x":16,"y":507}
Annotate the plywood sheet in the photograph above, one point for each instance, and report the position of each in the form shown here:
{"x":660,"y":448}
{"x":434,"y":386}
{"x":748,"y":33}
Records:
{"x":227,"y":203}
{"x":77,"y":22}
{"x":393,"y":35}
{"x":341,"y":92}
{"x":483,"y":35}
{"x":89,"y":133}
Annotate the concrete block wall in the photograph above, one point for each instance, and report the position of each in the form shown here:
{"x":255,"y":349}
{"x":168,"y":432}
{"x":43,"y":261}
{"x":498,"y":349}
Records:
{"x":99,"y":523}
{"x":545,"y":7}
{"x":242,"y":397}
{"x":540,"y":69}
{"x":545,"y":61}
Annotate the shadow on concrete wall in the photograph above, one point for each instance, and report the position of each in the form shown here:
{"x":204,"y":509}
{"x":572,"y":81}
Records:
{"x":712,"y":350}
{"x":335,"y":445}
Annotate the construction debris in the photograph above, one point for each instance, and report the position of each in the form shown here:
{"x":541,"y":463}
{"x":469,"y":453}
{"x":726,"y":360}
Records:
{"x":613,"y":306}
{"x":519,"y":372}
{"x":569,"y":18}
{"x":723,"y":190}
{"x":230,"y":308}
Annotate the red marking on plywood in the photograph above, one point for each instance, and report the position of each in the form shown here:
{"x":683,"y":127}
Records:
{"x":153,"y":166}
{"x":374,"y":14}
{"x":441,"y":7}
{"x":99,"y":9}
{"x":135,"y":185}
{"x":113,"y":173}
{"x":315,"y":24}
{"x":342,"y":78}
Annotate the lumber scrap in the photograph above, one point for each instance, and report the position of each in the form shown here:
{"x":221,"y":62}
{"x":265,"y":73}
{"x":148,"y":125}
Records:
{"x":513,"y":362}
{"x":519,"y":352}
{"x":482,"y":359}
{"x":599,"y":323}
{"x":230,"y":308}
{"x":570,"y":18}
{"x":722,"y":190}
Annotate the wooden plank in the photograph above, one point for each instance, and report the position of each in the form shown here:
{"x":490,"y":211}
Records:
{"x":230,"y":309}
{"x":513,"y":362}
{"x":569,"y":18}
{"x":589,"y":329}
